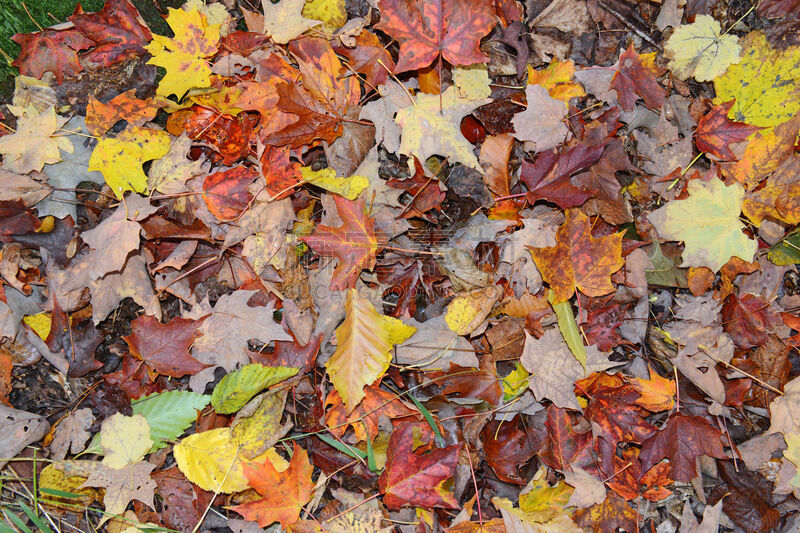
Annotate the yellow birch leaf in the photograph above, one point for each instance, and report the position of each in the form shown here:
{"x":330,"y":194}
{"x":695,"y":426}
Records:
{"x":363,"y":351}
{"x":120,"y":159}
{"x":208,"y":458}
{"x":700,"y":50}
{"x":331,"y":12}
{"x":184,"y":56}
{"x":125,"y":439}
{"x":327,"y":179}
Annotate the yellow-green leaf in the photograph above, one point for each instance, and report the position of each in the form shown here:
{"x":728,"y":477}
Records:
{"x":700,"y":50}
{"x":40,"y":323}
{"x":120,"y":159}
{"x":764,"y":84}
{"x":327,"y":179}
{"x":184,"y":56}
{"x":708,"y":224}
{"x":569,"y":328}
{"x":515,"y":383}
{"x":239,"y":387}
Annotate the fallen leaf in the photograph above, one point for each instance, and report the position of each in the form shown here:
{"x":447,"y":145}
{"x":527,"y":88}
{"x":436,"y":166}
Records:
{"x":34,"y":144}
{"x":125,"y":440}
{"x":700,"y":50}
{"x":71,"y":434}
{"x":715,"y":132}
{"x":542,"y":123}
{"x":365,"y":417}
{"x":636,"y":76}
{"x":50,"y":50}
{"x":165,"y":347}
{"x":101,"y":117}
{"x":239,"y":387}
{"x":117,"y":31}
{"x":283,"y":20}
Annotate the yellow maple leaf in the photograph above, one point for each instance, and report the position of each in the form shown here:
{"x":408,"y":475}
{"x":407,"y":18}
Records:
{"x":331,"y":12}
{"x":764,"y":84}
{"x":364,"y":348}
{"x":120,"y":159}
{"x":283,"y":21}
{"x":184,"y":57}
{"x":34,"y":142}
{"x":701,"y":50}
{"x":557,"y":79}
{"x":431,"y":126}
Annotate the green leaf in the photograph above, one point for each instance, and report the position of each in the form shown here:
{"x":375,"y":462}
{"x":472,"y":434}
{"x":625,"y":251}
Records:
{"x":239,"y":387}
{"x":786,"y":251}
{"x":569,"y":328}
{"x":168,"y":413}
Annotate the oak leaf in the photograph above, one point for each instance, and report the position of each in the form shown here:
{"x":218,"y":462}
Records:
{"x":34,"y":143}
{"x":427,"y":28}
{"x":410,"y":479}
{"x":120,"y":159}
{"x":708,"y":224}
{"x":363,"y":348}
{"x":715,"y":132}
{"x":50,"y":50}
{"x":164,"y":348}
{"x":682,"y":440}
{"x":701,"y":50}
{"x":354,"y":243}
{"x":283,"y":493}
{"x":184,"y":57}
{"x":578,"y":260}
{"x":636,"y":76}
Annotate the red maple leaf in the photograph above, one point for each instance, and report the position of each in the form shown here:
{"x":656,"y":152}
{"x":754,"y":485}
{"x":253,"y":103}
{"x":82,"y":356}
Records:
{"x":748,"y":320}
{"x":411,"y":480}
{"x":116,"y":30}
{"x":427,"y":28}
{"x":50,"y":50}
{"x":165,"y":347}
{"x":682,"y":440}
{"x":548,"y":178}
{"x":716,"y":131}
{"x":354,"y":243}
{"x":226,"y":193}
{"x":637,"y":76}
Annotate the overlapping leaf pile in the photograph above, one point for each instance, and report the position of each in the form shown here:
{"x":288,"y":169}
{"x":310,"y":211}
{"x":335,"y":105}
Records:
{"x":424,"y":265}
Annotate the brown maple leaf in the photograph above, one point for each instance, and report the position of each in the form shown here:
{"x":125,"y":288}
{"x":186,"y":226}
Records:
{"x":354,"y":243}
{"x":165,"y":347}
{"x":427,"y":28}
{"x":637,"y":76}
{"x":578,"y":260}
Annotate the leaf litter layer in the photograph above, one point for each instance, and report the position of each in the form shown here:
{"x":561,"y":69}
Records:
{"x":403,"y":265}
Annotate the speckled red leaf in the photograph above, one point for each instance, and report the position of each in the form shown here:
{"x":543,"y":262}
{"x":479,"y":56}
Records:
{"x":126,"y":106}
{"x":354,"y":243}
{"x":229,"y":136}
{"x":425,"y":192}
{"x":637,"y":76}
{"x":565,"y":446}
{"x":748,"y":320}
{"x":411,"y":480}
{"x":118,"y":31}
{"x":226,"y":193}
{"x":165,"y":347}
{"x":614,"y":412}
{"x":715,"y":132}
{"x":280,"y":172}
{"x":601,"y":324}
{"x":50,"y":50}
{"x":629,"y":482}
{"x":427,"y":28}
{"x":682,"y":440}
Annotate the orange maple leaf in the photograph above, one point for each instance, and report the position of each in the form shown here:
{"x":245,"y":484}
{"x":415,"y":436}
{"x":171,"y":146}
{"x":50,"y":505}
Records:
{"x":657,"y":393}
{"x":284,"y":493}
{"x":578,"y":260}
